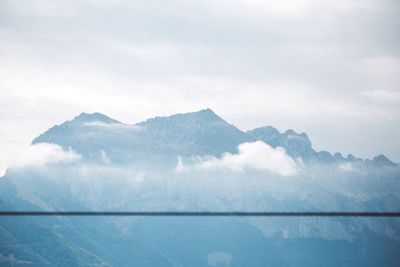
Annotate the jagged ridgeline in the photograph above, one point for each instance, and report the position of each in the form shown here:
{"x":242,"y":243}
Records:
{"x":195,"y":161}
{"x":196,"y":133}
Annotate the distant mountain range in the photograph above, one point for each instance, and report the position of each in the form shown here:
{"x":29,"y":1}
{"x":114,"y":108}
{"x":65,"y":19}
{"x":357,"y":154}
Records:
{"x":197,"y":133}
{"x":194,"y":162}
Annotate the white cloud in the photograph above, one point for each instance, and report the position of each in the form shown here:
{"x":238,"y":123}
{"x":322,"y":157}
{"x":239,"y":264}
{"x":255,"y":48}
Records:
{"x":217,"y":258}
{"x":347,"y":167}
{"x":251,"y":155}
{"x":40,"y":155}
{"x":111,"y":125}
{"x":10,"y":258}
{"x":382,"y":95}
{"x":104,"y":157}
{"x":46,"y":8}
{"x":179,"y":165}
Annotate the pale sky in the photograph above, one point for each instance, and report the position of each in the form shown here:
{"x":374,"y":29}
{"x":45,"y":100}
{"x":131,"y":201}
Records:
{"x":327,"y":68}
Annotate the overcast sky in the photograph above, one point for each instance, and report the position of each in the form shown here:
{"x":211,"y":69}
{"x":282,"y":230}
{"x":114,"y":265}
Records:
{"x":328,"y":68}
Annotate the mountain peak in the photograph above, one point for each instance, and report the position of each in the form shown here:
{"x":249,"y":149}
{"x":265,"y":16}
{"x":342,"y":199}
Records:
{"x":206,"y":115}
{"x":62,"y":134}
{"x":91,"y":117}
{"x":383,"y":160}
{"x":202,"y":132}
{"x":267,"y":134}
{"x":290,"y":132}
{"x":201,"y":117}
{"x":199,"y":132}
{"x":296,"y":145}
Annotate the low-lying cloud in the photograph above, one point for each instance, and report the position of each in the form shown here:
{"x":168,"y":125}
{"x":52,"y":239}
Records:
{"x":42,"y":154}
{"x":112,"y":126}
{"x":251,"y":156}
{"x":347,"y":167}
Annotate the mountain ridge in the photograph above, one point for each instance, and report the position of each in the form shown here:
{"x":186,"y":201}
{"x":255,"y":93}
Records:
{"x":199,"y":132}
{"x":97,"y":181}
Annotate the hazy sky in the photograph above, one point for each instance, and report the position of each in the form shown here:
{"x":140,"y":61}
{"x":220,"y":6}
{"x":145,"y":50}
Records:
{"x":328,"y":68}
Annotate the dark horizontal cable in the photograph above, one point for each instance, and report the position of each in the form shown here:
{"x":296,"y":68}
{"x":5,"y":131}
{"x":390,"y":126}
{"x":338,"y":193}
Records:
{"x":203,"y":213}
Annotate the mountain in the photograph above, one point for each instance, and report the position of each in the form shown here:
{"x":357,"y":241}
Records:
{"x":164,"y":138}
{"x":196,"y":133}
{"x":381,"y":160}
{"x":296,"y":145}
{"x":199,"y":133}
{"x":133,"y":167}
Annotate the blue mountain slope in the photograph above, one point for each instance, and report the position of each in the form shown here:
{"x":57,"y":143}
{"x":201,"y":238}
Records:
{"x":87,"y":134}
{"x":299,"y":146}
{"x":197,"y":133}
{"x":65,"y":133}
{"x":163,"y":138}
{"x":108,"y":177}
{"x":296,"y":145}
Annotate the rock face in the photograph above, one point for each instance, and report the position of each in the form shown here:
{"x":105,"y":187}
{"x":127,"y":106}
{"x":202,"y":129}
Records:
{"x":381,"y":160}
{"x":199,"y":133}
{"x":296,"y":145}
